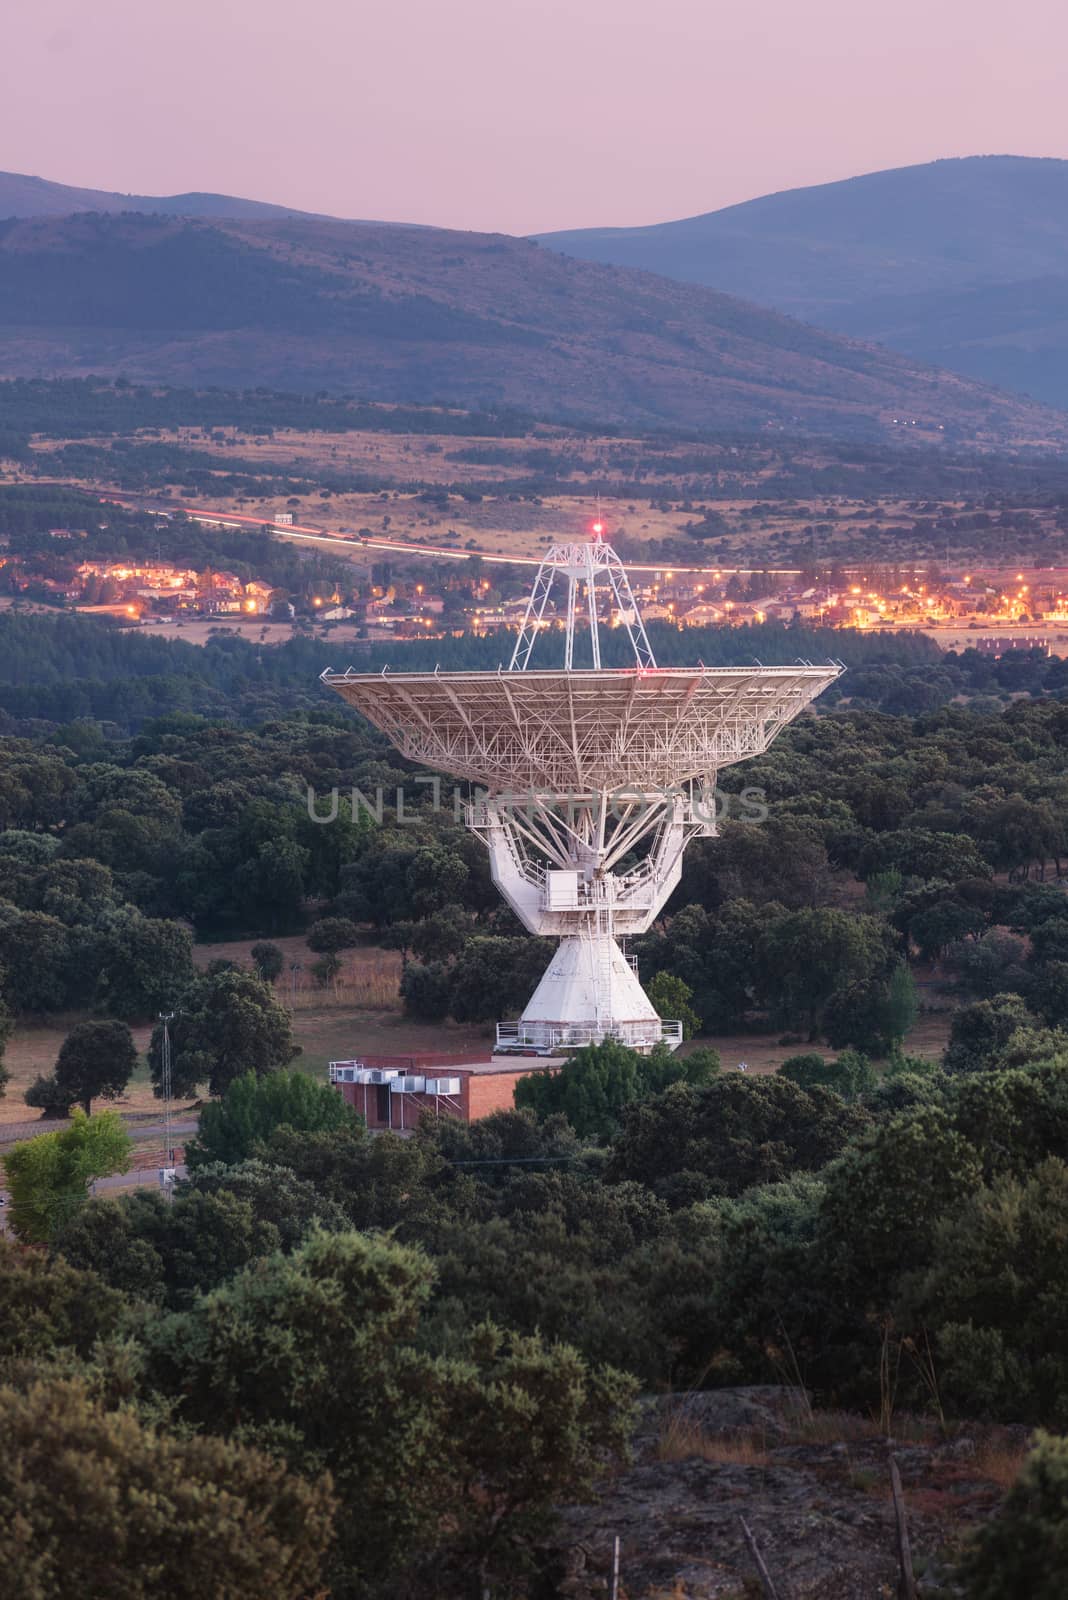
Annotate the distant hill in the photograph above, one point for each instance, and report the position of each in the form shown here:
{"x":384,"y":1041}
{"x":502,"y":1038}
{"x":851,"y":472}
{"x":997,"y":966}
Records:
{"x":963,"y":263}
{"x":396,"y":313}
{"x":22,"y":196}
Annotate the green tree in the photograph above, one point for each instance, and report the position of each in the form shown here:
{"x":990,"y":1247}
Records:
{"x":882,"y":1204}
{"x":316,"y":1352}
{"x":594,"y":1085}
{"x":94,"y":1502}
{"x":850,"y":1075}
{"x":873,"y":1015}
{"x":331,"y":934}
{"x":49,"y":1176}
{"x":691,"y":1143}
{"x":268,"y":887}
{"x":918,"y":853}
{"x":252,"y":1108}
{"x":434,"y":879}
{"x":230,"y":1023}
{"x":154,"y":1250}
{"x":144,"y":962}
{"x":491,"y":1144}
{"x":426,"y":990}
{"x":48,"y":1306}
{"x":35,"y":962}
{"x":573,"y":1421}
{"x":980,"y":1032}
{"x":223,"y":1220}
{"x":807,"y":956}
{"x":1021,"y":1550}
{"x":276,"y":1195}
{"x":442,"y":935}
{"x":590,"y":1089}
{"x":96,"y":1061}
{"x":670,"y":997}
{"x":378,"y":1181}
{"x":493,"y":977}
{"x":326,"y":970}
{"x":997,"y":1265}
{"x":268,"y":961}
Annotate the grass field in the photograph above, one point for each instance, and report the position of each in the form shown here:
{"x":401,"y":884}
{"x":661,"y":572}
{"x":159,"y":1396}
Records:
{"x":758,"y":530}
{"x":32,"y":1049}
{"x":361,"y":1013}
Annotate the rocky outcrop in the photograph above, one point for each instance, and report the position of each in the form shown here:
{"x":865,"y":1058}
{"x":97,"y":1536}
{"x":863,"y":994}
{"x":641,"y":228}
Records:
{"x":819,"y":1506}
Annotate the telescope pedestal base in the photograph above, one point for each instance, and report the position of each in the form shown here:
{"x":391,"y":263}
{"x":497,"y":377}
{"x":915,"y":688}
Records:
{"x":589,"y":993}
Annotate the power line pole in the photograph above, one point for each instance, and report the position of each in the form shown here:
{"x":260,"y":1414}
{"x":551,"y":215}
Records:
{"x":166,"y":1173}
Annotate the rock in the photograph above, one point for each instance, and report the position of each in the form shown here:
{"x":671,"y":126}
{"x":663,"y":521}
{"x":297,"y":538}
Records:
{"x":769,"y":1409}
{"x":820,"y":1512}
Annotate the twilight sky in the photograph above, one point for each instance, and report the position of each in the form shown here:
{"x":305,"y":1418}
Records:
{"x":511,"y":115}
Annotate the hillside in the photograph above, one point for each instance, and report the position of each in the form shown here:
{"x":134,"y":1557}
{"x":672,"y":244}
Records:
{"x":399,"y":313}
{"x":24,"y":196}
{"x":960,"y":263}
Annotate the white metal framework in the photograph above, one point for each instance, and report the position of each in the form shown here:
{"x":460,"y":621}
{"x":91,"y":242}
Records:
{"x":591,"y":784}
{"x":581,"y":564}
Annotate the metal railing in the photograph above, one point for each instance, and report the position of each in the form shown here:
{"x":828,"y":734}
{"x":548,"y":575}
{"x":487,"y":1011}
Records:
{"x":545,"y":1038}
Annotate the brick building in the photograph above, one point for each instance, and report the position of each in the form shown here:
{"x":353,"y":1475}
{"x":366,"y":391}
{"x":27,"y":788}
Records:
{"x":394,"y":1091}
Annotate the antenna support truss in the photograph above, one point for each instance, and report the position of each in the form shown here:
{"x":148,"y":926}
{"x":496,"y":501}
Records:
{"x":579,"y":566}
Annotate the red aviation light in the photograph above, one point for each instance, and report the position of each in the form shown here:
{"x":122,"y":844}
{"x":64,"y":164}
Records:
{"x":598,"y":528}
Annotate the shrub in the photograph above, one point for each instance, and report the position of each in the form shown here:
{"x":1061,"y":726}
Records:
{"x":1023,"y":1551}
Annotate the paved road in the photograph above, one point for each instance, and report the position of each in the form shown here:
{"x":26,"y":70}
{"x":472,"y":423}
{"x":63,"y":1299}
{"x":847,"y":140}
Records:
{"x":14,"y":1132}
{"x":137,"y":1177}
{"x":316,"y":535}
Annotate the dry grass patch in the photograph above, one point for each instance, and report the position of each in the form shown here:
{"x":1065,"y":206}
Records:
{"x":684,"y":1439}
{"x":32,"y":1050}
{"x":369,"y":976}
{"x":1000,"y":1460}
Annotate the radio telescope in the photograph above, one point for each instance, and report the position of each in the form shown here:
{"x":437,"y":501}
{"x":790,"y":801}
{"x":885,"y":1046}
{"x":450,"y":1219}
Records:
{"x":591,"y":782}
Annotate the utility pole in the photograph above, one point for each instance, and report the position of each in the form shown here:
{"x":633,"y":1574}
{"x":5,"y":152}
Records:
{"x":166,"y":1171}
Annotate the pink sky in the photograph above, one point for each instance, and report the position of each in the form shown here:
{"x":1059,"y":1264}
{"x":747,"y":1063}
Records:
{"x":520,"y":116}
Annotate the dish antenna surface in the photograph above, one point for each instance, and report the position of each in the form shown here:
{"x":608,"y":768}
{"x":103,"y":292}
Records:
{"x":591,"y":781}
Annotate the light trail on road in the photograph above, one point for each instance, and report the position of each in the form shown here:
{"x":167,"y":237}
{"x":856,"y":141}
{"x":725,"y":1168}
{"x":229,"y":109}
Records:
{"x":313,"y":535}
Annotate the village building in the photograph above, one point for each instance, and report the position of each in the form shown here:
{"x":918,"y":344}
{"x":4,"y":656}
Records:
{"x":392,"y":1092}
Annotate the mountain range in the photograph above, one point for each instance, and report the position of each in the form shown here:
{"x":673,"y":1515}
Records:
{"x":24,"y":196}
{"x":206,"y":288}
{"x":396,"y":313}
{"x":961,"y":263}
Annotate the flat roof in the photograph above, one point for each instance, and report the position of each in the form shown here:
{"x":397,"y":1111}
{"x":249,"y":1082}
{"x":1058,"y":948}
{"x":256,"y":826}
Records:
{"x":512,"y":1063}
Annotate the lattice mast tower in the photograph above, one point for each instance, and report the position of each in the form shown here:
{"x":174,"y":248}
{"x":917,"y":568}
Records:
{"x":591,"y":780}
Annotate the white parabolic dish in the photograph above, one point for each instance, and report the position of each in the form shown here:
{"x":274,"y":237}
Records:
{"x":638,"y":730}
